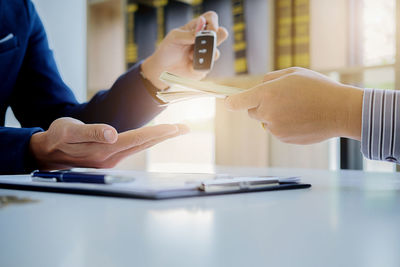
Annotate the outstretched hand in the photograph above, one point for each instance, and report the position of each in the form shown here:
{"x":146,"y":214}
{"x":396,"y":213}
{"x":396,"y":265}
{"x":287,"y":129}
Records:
{"x":71,"y":143}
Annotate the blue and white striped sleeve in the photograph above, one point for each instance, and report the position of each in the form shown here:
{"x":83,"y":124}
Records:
{"x":380,"y":135}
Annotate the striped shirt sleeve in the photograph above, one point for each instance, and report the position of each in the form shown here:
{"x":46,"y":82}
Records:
{"x":380,"y":135}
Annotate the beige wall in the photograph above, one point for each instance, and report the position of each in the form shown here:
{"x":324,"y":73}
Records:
{"x":329,"y":31}
{"x":239,"y":140}
{"x":106,"y":47}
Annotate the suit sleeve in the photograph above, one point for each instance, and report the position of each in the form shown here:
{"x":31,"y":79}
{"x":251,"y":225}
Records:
{"x":40,"y":96}
{"x":14,"y":147}
{"x":127,"y":105}
{"x":380,"y":136}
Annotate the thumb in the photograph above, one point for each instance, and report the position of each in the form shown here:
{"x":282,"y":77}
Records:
{"x":182,"y":37}
{"x":97,"y":133}
{"x":247,"y":100}
{"x":200,"y":24}
{"x":279,"y":73}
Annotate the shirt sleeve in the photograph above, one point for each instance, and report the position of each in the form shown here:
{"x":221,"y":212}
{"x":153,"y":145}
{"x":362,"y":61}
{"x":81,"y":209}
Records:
{"x":380,"y":135}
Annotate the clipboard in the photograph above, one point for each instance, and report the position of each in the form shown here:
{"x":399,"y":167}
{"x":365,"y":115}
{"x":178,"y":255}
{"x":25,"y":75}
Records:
{"x":159,"y":185}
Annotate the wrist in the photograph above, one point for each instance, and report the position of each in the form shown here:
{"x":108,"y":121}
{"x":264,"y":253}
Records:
{"x":351,"y":114}
{"x":36,"y":147}
{"x":152,"y":73}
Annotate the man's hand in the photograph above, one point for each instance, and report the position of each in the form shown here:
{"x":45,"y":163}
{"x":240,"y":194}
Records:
{"x":175,"y":52}
{"x":71,"y":143}
{"x":301,"y":106}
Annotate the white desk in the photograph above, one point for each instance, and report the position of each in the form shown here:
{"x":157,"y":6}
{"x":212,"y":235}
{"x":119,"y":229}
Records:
{"x":346,"y":219}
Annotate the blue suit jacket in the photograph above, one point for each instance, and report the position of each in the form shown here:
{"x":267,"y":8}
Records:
{"x":31,"y":84}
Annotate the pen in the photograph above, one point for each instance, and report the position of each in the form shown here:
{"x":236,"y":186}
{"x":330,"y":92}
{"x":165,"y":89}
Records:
{"x":238,"y":183}
{"x":245,"y":183}
{"x":77,"y":177}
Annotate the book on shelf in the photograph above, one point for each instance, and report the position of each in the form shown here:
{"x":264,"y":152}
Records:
{"x":239,"y":37}
{"x":182,"y":88}
{"x":292,"y":34}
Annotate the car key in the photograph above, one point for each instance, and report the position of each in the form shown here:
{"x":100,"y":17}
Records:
{"x":204,"y":50}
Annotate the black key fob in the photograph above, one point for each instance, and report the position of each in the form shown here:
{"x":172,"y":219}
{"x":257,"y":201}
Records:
{"x":204,"y":49}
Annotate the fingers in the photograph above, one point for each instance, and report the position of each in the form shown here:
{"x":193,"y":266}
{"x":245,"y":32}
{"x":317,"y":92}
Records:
{"x":191,"y":53}
{"x":107,"y":155}
{"x":259,"y":114}
{"x":222,"y":34}
{"x":217,"y":54}
{"x":69,"y":142}
{"x":249,"y":99}
{"x":200,"y":23}
{"x":211,"y":20}
{"x":179,"y":36}
{"x":114,"y":159}
{"x":196,"y":24}
{"x":82,"y":133}
{"x":253,"y":114}
{"x":143,"y":135}
{"x":182,"y":128}
{"x":279,"y":73}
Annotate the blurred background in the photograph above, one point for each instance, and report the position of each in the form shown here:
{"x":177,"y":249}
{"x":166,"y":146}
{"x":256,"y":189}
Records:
{"x":352,"y":41}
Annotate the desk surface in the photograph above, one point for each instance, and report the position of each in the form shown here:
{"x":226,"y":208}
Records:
{"x":347,"y":218}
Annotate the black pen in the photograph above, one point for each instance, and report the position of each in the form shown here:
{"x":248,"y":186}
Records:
{"x":77,"y":177}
